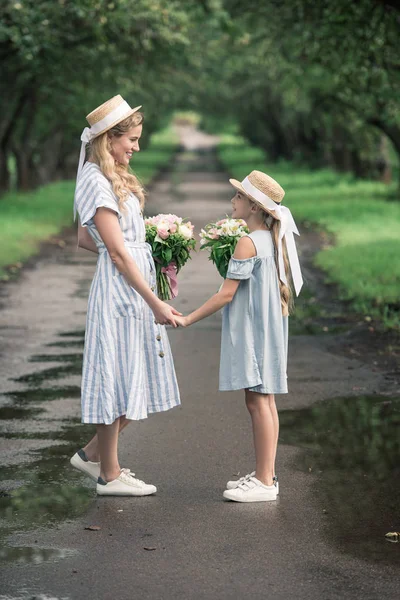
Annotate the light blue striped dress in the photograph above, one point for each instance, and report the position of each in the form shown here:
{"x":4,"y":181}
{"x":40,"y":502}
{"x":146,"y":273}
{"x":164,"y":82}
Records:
{"x":127,"y":363}
{"x":254,"y":333}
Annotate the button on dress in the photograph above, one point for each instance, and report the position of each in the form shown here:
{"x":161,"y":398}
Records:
{"x":254,"y":332}
{"x":128,"y":367}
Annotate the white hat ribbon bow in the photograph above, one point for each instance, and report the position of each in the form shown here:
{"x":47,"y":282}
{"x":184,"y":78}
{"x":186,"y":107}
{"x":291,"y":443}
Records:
{"x":86,"y":137}
{"x":287,"y":229}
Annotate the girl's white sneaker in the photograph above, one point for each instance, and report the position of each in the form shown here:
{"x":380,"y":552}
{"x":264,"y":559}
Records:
{"x":251,"y":490}
{"x":125,"y":485}
{"x":79,"y":461}
{"x":231,"y":485}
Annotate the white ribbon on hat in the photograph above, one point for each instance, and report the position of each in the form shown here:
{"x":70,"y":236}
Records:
{"x":287,"y":229}
{"x":88,"y":134}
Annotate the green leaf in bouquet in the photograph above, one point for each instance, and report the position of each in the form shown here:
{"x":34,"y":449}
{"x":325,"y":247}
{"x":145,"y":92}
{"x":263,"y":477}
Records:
{"x":167,"y":255}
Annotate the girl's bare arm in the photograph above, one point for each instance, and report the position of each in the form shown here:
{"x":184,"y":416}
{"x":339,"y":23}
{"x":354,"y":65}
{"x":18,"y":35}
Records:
{"x":244,"y":249}
{"x":107,"y":225}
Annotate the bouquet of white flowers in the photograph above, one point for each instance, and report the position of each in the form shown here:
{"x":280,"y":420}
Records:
{"x":220,"y":239}
{"x":171,"y":239}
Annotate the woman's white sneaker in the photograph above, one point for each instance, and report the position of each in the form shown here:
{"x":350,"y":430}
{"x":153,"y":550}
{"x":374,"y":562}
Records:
{"x":125,"y":485}
{"x":80,"y":461}
{"x":251,"y":490}
{"x":231,"y":485}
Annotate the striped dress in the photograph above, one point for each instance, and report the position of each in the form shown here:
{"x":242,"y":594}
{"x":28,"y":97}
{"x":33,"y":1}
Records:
{"x":127,"y":362}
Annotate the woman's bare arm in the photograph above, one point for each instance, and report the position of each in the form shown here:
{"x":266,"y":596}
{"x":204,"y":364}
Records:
{"x":107,"y":225}
{"x":85,"y":240}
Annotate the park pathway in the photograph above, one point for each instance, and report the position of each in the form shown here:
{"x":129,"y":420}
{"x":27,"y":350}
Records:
{"x":324,"y":537}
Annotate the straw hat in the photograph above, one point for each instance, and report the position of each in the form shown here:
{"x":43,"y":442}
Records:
{"x":116,"y":109}
{"x":101,"y":119}
{"x":262,"y":189}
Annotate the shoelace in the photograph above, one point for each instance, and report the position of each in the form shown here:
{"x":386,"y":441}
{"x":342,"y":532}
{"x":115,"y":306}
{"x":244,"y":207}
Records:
{"x":129,"y":473}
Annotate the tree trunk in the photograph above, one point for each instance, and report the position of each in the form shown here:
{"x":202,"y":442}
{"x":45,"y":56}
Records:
{"x":393,"y":133}
{"x":4,"y":171}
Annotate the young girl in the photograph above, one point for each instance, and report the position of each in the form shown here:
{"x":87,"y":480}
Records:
{"x":257,"y":299}
{"x":128,"y":369}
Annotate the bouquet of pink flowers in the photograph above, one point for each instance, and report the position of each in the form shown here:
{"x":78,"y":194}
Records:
{"x":220,"y":239}
{"x":171,"y":239}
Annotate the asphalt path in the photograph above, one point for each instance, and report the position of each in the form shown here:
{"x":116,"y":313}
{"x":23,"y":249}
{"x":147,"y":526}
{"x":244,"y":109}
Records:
{"x":186,"y":542}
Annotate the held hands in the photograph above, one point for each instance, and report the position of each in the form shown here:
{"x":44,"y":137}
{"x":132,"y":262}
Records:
{"x":164,"y":314}
{"x":182,"y":321}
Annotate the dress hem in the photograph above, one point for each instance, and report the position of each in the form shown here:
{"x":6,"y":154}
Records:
{"x":124,"y":414}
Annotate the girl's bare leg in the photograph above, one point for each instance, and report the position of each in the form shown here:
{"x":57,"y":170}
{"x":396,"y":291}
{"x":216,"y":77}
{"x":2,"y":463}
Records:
{"x":107,"y":436}
{"x":276,"y":423}
{"x":92,"y":448}
{"x":264,"y":433}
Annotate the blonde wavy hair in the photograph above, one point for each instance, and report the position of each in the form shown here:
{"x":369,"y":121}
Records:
{"x":122,"y":179}
{"x":274,"y":225}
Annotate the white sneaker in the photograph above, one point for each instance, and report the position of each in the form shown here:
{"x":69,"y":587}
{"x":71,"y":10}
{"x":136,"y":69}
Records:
{"x":79,"y":461}
{"x":251,"y":490}
{"x":125,"y":485}
{"x":231,"y":485}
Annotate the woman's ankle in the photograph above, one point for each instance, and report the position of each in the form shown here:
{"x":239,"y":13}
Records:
{"x":110,"y":475}
{"x":91,"y":454}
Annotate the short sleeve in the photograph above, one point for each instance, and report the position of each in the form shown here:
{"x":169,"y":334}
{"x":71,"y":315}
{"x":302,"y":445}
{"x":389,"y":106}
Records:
{"x":240,"y":269}
{"x":92,"y":192}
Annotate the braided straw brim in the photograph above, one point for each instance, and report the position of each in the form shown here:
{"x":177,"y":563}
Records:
{"x":266,"y":184}
{"x":104,"y":109}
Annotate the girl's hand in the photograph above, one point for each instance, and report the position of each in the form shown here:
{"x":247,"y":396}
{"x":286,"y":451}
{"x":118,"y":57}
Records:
{"x":164,"y":314}
{"x":182,"y":321}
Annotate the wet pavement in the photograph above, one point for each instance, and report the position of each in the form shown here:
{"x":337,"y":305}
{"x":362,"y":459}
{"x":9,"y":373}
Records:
{"x":338,"y":456}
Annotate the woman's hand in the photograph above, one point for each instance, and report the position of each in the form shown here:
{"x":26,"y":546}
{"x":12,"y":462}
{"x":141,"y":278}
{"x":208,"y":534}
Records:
{"x":164,"y":314}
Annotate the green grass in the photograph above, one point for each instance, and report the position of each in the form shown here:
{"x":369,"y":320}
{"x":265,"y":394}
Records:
{"x":364,"y":259}
{"x":27,"y":219}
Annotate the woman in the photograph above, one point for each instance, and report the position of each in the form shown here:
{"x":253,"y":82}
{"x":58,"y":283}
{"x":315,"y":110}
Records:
{"x":128,"y":368}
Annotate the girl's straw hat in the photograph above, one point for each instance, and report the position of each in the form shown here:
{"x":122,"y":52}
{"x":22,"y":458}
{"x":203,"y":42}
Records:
{"x":108,"y":114}
{"x":268,"y":194}
{"x":262,"y":189}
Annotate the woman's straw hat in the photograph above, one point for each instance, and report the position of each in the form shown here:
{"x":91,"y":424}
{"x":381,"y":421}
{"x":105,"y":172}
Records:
{"x":262,"y":189}
{"x":108,"y":114}
{"x":101,"y":119}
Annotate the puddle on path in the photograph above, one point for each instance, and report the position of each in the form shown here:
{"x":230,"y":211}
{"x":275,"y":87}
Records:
{"x":45,"y":490}
{"x":33,"y":554}
{"x":352,"y":451}
{"x":73,"y":367}
{"x":44,"y":395}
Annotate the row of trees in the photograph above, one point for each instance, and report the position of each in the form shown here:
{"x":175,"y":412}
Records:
{"x":315,"y":81}
{"x":61,"y":58}
{"x":306,"y":80}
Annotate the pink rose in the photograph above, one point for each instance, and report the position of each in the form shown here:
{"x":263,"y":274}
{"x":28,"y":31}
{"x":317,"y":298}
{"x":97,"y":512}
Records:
{"x":173,"y":228}
{"x":163,"y":234}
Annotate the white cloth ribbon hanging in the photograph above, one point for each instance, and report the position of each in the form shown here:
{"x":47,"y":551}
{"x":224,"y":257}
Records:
{"x":287,"y":229}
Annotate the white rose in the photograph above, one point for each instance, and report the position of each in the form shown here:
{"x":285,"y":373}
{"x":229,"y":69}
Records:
{"x":186,"y":231}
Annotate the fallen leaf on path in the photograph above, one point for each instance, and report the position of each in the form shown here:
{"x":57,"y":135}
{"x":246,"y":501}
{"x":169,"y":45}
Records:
{"x":93,"y":528}
{"x":149,"y":548}
{"x":392,"y":536}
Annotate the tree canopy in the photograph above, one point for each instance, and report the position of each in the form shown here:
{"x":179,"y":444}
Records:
{"x":312,"y":81}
